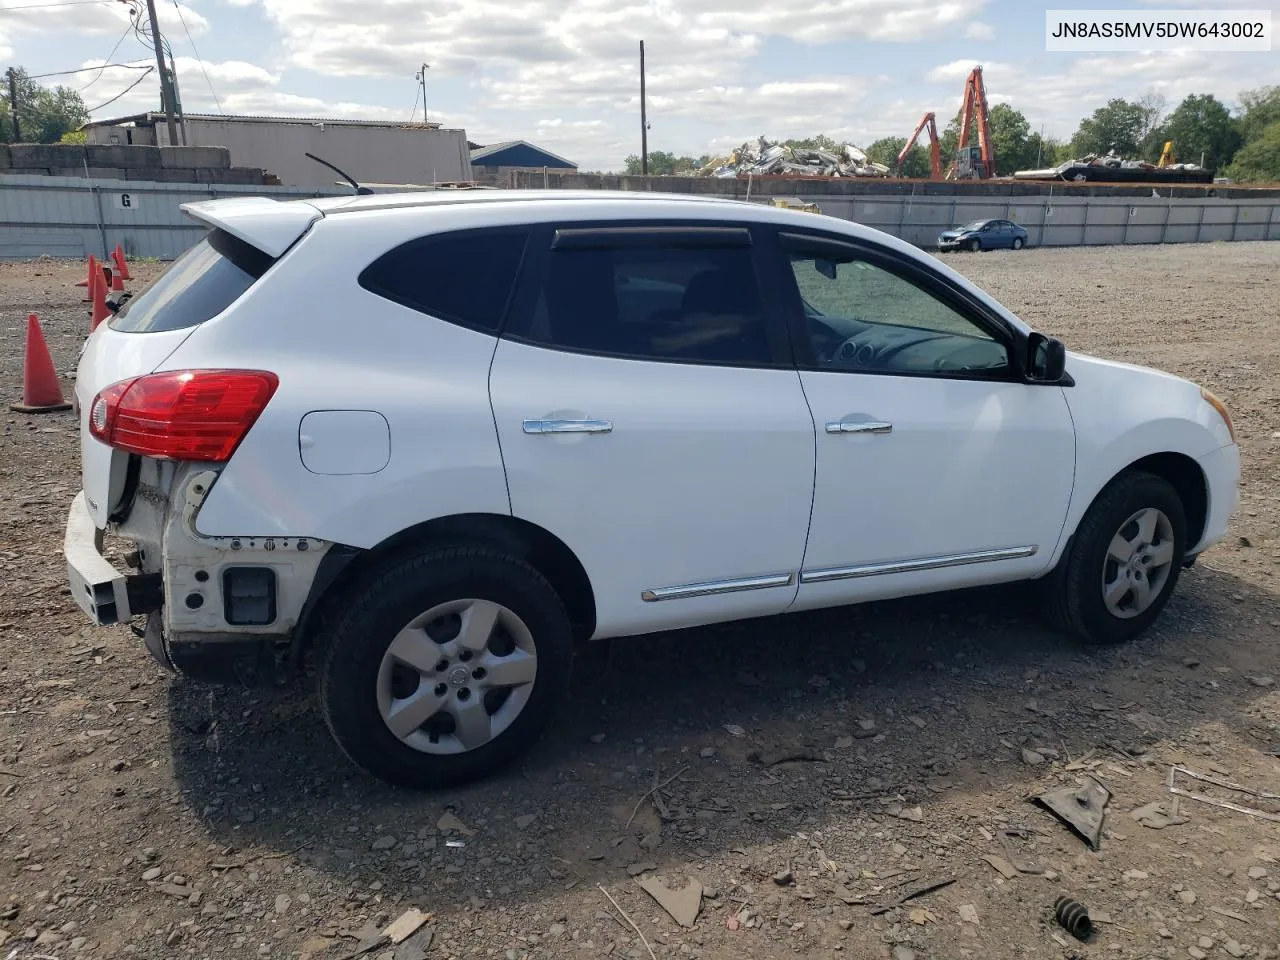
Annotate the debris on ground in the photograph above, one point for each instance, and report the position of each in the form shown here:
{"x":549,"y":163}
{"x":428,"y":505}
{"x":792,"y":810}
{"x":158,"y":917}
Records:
{"x":1074,"y":917}
{"x":771,"y":758}
{"x":682,"y":904}
{"x":406,"y":925}
{"x":1081,"y":808}
{"x":1178,"y":791}
{"x":919,"y":890}
{"x":1157,"y":816}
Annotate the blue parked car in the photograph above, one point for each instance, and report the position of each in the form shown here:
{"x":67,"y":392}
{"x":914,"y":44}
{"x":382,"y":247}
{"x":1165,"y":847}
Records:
{"x":984,"y":235}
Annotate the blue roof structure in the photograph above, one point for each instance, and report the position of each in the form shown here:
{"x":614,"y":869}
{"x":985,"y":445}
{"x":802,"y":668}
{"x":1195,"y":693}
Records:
{"x":519,"y":153}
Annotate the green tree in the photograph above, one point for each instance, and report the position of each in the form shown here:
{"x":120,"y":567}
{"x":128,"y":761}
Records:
{"x":44,"y":114}
{"x":662,"y":164}
{"x":1119,"y":126}
{"x":886,"y":150}
{"x":1258,"y":161}
{"x":1202,"y":125}
{"x":1011,"y":140}
{"x":1259,"y":109}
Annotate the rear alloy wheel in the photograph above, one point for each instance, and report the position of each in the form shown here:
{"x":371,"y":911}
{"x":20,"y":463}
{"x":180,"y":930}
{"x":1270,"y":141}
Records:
{"x":445,"y":667}
{"x":1123,"y":562}
{"x":973,"y":245}
{"x":1017,"y":243}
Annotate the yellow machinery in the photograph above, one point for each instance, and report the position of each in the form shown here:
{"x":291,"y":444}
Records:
{"x":1166,"y":155}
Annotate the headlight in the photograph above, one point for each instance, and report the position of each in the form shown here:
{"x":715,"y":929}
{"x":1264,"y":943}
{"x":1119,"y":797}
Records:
{"x":1222,"y":410}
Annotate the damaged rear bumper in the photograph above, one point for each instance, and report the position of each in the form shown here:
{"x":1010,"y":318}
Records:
{"x":104,"y":593}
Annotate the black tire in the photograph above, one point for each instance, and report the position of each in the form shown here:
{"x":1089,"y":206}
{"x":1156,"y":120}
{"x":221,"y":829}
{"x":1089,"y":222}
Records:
{"x":1017,"y":243}
{"x":1073,"y":592}
{"x":974,"y":246}
{"x":378,"y":608}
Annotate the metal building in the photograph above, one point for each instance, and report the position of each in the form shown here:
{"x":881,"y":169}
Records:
{"x":421,"y":153}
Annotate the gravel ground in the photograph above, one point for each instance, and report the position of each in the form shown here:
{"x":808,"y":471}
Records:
{"x":145,"y":817}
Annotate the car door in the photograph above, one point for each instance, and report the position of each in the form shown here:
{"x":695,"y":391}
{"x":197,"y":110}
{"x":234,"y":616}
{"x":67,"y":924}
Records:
{"x":650,"y":417}
{"x":938,"y":466}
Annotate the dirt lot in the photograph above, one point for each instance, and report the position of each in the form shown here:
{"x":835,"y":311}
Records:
{"x":142,"y":817}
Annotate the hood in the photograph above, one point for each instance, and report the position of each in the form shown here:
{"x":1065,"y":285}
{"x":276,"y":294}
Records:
{"x":950,"y":234}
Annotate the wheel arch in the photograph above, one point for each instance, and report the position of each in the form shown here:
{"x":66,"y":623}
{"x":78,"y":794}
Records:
{"x":1182,"y":472}
{"x":537,"y":546}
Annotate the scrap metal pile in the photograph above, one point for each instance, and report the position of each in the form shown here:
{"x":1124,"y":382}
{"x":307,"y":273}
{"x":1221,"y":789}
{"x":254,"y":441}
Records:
{"x":1111,"y":168}
{"x":761,"y":157}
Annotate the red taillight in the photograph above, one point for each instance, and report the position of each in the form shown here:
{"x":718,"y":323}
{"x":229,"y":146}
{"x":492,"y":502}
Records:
{"x":182,"y":414}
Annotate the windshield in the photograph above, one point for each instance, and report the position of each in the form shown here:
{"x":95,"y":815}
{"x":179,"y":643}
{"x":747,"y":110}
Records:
{"x":199,"y":285}
{"x":974,"y":225}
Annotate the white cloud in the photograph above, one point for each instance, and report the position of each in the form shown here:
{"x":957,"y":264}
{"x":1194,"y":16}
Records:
{"x":6,"y":50}
{"x":977,"y":30}
{"x":36,"y":16}
{"x":957,"y":70}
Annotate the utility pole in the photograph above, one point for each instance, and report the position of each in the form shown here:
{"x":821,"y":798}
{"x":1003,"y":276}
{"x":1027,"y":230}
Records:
{"x":13,"y":104}
{"x":166,"y":91}
{"x":422,"y":81}
{"x":644,"y":120}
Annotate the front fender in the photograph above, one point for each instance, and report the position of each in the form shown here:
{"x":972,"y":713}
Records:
{"x":1102,"y":458}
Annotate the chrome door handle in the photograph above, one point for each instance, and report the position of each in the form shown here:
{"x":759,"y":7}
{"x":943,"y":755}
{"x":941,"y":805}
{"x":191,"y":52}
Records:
{"x":567,"y":426}
{"x":858,"y":426}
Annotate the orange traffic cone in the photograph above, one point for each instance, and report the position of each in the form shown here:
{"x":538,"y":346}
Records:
{"x":40,"y":390}
{"x":117,"y":282}
{"x":122,"y":265}
{"x":100,"y":309}
{"x":88,"y":281}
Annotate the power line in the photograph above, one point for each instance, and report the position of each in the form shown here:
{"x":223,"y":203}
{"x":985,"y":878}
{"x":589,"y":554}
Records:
{"x":64,"y":73}
{"x":417,"y":92}
{"x":109,"y":56}
{"x":199,"y":59}
{"x":122,"y":92}
{"x":61,"y":3}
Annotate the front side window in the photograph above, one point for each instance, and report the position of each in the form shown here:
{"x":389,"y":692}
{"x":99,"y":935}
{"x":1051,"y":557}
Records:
{"x":863,"y":317}
{"x":653,"y":301}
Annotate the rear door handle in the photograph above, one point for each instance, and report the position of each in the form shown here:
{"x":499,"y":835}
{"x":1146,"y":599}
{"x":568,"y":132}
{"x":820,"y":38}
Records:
{"x":859,"y":426}
{"x":567,"y":426}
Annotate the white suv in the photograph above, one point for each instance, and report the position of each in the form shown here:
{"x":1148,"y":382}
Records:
{"x":435,"y":440}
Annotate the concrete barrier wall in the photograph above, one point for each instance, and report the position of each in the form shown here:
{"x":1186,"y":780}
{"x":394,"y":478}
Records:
{"x":74,"y":217}
{"x":1054,"y":214}
{"x":1070,"y":221}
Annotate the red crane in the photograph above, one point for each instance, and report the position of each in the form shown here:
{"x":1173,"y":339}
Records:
{"x":975,"y":117}
{"x":935,"y":152}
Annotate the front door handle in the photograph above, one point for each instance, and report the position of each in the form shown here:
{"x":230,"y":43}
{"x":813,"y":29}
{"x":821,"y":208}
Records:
{"x":858,"y":426}
{"x":567,"y":426}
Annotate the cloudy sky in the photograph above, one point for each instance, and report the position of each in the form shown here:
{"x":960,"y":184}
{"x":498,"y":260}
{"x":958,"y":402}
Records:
{"x":564,"y":73}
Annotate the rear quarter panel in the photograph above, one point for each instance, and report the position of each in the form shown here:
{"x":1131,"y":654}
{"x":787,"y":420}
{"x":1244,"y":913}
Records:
{"x":336,"y":346}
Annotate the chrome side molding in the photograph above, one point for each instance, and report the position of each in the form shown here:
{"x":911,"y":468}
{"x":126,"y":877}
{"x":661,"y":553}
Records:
{"x":826,"y":574}
{"x":715,"y":587}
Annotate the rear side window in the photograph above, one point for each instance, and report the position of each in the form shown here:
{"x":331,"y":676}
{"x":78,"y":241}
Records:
{"x":199,"y":285}
{"x":689,"y":296}
{"x":464,"y":278}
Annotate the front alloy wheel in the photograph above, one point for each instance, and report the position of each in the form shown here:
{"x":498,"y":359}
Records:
{"x":1139,"y":561}
{"x":1123,"y":561}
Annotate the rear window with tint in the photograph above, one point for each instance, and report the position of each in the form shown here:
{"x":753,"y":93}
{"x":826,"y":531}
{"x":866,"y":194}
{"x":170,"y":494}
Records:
{"x":199,"y":285}
{"x":465,"y":278}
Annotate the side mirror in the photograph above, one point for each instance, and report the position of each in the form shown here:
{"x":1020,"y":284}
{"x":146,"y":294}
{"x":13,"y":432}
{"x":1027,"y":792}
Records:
{"x":1046,"y":358}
